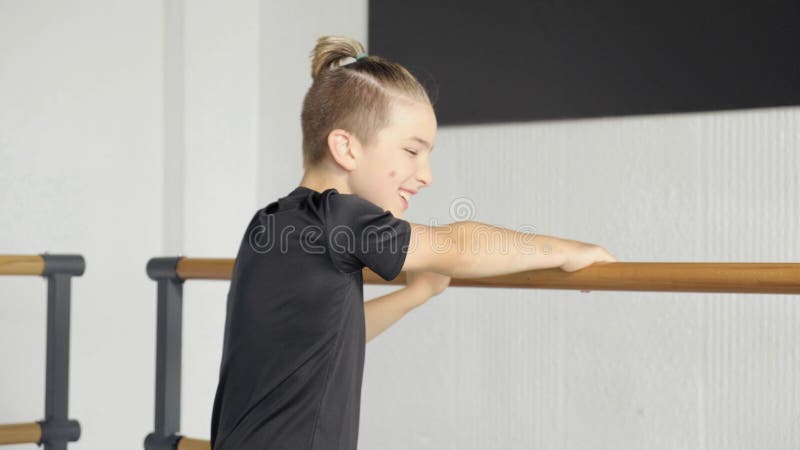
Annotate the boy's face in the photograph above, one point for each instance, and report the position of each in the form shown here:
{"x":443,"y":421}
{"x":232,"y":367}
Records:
{"x":390,"y":166}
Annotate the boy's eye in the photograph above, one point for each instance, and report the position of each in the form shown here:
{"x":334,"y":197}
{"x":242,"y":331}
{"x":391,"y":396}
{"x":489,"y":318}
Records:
{"x":412,"y":152}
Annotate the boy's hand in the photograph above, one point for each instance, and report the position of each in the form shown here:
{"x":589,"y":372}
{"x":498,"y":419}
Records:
{"x":432,"y":283}
{"x":582,"y":254}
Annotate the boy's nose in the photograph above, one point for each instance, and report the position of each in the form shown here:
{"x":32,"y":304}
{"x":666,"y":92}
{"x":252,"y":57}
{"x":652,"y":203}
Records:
{"x":425,"y":175}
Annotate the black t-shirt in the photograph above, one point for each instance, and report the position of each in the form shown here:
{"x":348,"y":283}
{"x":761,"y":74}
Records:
{"x":293,"y":351}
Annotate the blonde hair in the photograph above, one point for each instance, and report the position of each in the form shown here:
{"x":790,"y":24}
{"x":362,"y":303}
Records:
{"x":356,"y":96}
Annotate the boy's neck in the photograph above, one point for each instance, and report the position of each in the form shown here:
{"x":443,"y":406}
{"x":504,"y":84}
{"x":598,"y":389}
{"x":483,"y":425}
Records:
{"x":320,"y":183}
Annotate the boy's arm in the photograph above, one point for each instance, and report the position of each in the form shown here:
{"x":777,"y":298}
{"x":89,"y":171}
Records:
{"x":469,"y":249}
{"x":382,"y":312}
{"x":473,"y":249}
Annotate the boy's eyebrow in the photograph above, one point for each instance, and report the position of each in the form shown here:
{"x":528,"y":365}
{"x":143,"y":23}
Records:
{"x":422,"y":141}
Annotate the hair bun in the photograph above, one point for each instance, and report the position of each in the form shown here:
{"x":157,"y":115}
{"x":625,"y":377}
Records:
{"x":333,"y":49}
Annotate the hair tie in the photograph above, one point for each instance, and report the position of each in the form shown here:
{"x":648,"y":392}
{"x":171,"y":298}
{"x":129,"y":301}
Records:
{"x":361,"y":56}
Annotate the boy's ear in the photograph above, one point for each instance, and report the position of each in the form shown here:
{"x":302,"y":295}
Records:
{"x":340,"y":144}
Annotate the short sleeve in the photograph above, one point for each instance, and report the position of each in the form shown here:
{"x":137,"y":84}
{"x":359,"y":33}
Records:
{"x":360,"y":233}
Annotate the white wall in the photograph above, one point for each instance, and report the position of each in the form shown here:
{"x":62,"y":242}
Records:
{"x":518,"y":369}
{"x":219,"y":189}
{"x":81,"y":159}
{"x":143,"y":129}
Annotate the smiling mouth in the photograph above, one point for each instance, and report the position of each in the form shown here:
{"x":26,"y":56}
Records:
{"x":404,"y":196}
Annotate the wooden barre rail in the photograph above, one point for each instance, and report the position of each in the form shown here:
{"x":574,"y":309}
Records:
{"x":20,"y":433}
{"x":731,"y":277}
{"x":21,"y":265}
{"x":45,"y":265}
{"x":186,"y":443}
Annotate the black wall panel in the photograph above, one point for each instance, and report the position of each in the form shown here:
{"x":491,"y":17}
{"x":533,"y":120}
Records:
{"x":505,"y":61}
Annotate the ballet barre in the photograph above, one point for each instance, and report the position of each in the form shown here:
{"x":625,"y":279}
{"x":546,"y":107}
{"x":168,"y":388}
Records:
{"x":732,"y":277}
{"x":171,"y":272}
{"x":56,"y":429}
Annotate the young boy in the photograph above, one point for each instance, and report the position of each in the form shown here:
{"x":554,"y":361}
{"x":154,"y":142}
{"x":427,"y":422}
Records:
{"x":296,"y":324}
